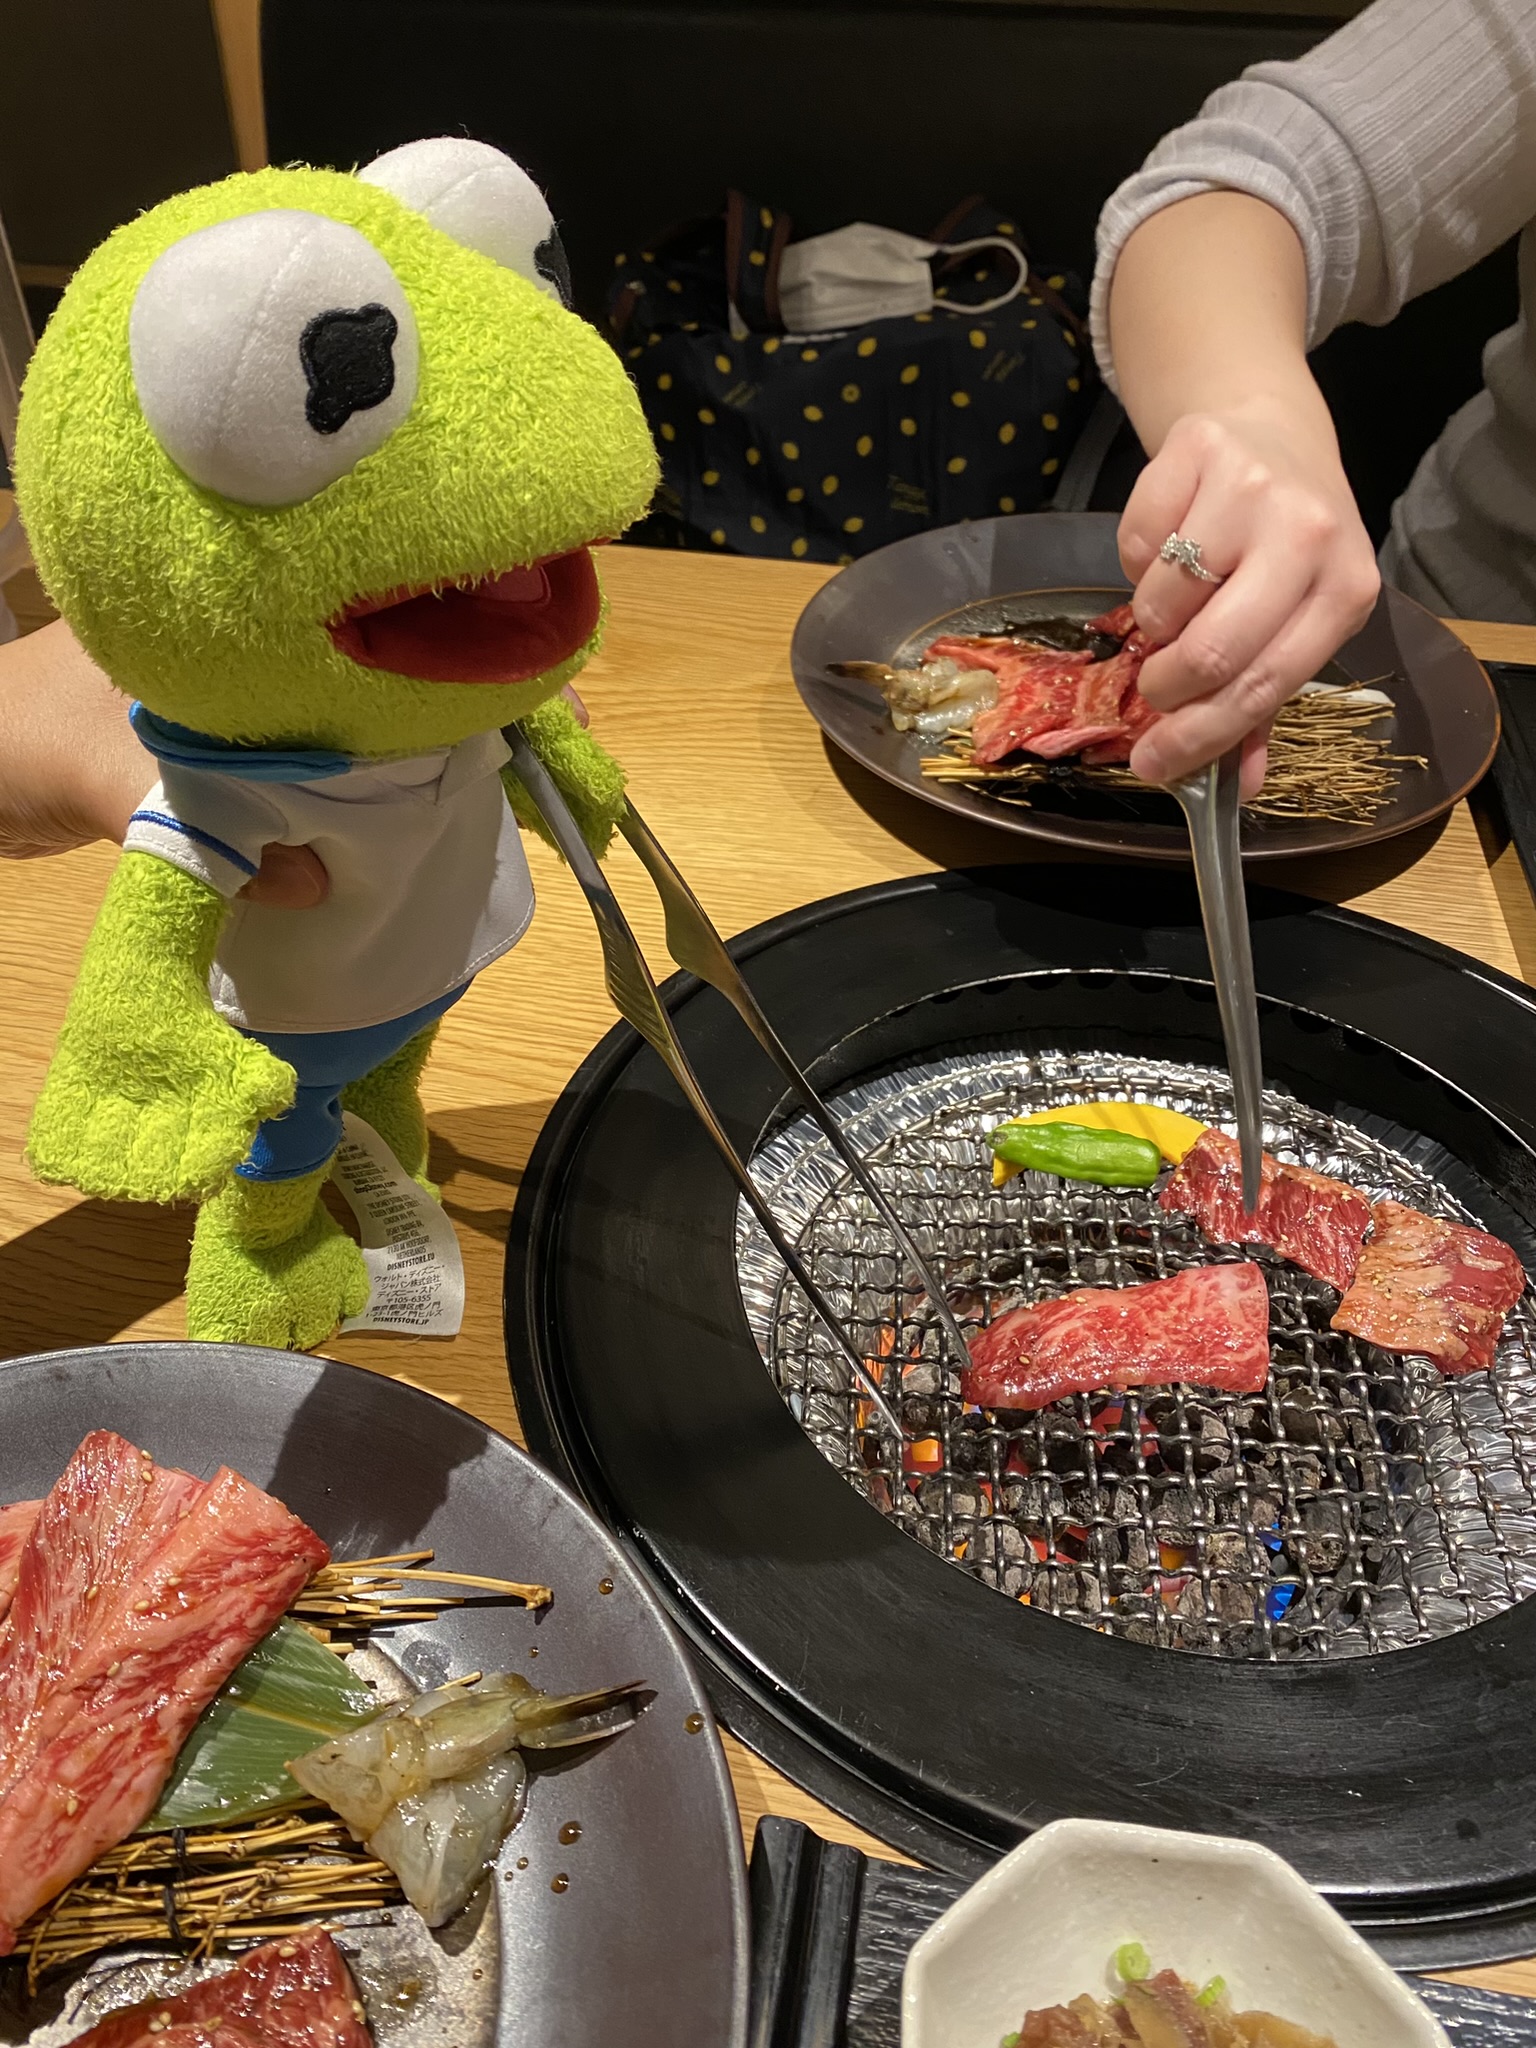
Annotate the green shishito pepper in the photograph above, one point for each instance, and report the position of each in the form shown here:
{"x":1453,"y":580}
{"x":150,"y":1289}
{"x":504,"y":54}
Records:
{"x":1076,"y":1152}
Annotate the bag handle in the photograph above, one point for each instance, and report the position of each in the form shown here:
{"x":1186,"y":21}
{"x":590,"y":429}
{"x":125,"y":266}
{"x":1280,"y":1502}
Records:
{"x":755,"y":240}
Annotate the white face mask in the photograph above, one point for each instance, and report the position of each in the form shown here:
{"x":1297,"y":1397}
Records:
{"x":862,"y":272}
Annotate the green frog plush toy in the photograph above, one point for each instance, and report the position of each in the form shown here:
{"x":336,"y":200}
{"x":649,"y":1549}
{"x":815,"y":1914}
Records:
{"x":313,"y":464}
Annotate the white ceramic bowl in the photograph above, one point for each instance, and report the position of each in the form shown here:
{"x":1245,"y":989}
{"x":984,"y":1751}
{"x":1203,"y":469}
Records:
{"x":1041,"y":1928}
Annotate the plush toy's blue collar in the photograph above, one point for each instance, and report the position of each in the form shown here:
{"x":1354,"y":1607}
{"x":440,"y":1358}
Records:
{"x":184,"y":748}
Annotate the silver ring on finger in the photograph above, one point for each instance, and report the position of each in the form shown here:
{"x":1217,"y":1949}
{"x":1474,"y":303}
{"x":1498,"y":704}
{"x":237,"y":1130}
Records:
{"x":1185,"y":554}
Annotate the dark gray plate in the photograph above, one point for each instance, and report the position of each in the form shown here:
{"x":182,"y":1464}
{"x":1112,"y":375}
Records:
{"x":648,"y":1945}
{"x":1066,"y":562}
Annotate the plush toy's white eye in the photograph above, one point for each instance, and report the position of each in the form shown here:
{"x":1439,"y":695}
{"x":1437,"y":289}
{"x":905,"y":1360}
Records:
{"x":271,"y":353}
{"x":484,"y":200}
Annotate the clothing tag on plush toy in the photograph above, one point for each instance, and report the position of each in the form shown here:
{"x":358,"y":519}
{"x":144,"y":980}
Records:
{"x":415,"y":1268}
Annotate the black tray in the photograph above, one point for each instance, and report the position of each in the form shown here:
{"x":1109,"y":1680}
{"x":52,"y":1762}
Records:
{"x":1514,"y":765}
{"x":832,"y":1929}
{"x":906,"y":1695}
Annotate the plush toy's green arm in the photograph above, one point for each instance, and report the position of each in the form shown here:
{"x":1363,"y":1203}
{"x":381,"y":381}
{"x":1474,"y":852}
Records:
{"x":151,"y":1096}
{"x":585,"y":774}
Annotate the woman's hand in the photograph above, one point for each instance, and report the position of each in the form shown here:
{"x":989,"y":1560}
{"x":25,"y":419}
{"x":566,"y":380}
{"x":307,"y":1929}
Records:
{"x":71,"y":770}
{"x":1208,"y":327}
{"x":1275,"y":517}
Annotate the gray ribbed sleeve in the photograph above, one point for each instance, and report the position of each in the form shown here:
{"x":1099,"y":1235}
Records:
{"x":1401,"y":150}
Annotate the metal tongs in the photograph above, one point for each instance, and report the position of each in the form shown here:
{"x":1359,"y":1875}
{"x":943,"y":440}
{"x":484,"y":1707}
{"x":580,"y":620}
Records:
{"x":695,"y":945}
{"x":1210,"y":801}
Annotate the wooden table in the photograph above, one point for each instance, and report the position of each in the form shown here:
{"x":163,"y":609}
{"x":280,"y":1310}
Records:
{"x":693,"y":693}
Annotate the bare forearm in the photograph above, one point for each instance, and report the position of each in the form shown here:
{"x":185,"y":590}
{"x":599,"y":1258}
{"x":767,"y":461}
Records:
{"x":70,"y":770}
{"x":1208,"y":314}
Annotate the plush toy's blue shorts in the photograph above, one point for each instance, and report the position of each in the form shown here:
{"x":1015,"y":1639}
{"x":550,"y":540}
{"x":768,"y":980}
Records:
{"x":303,"y":1138}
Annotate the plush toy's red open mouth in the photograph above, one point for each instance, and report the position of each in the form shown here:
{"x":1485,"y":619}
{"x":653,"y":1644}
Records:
{"x":499,"y":629}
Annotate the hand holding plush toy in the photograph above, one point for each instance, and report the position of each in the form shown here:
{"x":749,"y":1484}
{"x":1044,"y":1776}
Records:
{"x":312,"y":465}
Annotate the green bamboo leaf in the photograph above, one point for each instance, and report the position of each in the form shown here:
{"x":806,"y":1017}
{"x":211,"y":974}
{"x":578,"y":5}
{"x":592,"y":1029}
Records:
{"x":290,"y":1694}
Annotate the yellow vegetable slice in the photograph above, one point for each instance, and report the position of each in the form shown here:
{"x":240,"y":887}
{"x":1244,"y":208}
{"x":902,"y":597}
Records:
{"x":1171,"y":1132}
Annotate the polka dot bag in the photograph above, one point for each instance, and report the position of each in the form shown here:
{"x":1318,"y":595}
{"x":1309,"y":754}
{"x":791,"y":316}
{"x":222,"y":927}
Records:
{"x":826,"y":445}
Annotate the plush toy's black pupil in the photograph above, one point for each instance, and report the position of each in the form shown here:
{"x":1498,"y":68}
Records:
{"x":550,"y":261}
{"x":349,"y":363}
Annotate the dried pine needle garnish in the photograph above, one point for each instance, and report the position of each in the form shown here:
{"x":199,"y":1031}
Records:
{"x":196,"y":1887}
{"x":1324,"y":763}
{"x":368,"y":1591}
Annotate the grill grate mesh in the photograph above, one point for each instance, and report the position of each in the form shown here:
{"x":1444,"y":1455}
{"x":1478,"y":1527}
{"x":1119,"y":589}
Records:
{"x":1359,"y":1503}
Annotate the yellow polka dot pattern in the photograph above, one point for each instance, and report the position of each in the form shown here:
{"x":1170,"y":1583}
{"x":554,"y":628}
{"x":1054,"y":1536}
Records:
{"x":756,"y":256}
{"x":913,"y":497}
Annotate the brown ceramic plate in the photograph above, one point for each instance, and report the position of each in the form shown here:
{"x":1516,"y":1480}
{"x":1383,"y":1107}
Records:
{"x":969,"y":578}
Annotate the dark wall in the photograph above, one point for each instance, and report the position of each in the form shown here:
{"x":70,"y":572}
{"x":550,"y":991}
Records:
{"x":635,"y":117}
{"x":104,"y":109}
{"x":1391,"y":389}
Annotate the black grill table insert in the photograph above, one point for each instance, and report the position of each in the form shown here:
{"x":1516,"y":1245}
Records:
{"x":1379,"y":1741}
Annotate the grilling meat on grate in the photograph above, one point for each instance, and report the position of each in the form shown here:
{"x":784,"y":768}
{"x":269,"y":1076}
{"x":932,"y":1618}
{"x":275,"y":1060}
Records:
{"x":1430,"y":1286}
{"x":1209,"y":1325}
{"x":293,"y":1993}
{"x":1316,"y":1223}
{"x":139,"y":1591}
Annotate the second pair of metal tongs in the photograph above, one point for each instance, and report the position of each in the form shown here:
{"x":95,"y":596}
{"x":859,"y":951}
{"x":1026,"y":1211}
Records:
{"x":695,"y":945}
{"x":1210,"y":801}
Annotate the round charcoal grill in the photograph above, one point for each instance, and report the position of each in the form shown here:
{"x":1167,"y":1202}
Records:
{"x":1360,"y":1503}
{"x":1344,"y":1561}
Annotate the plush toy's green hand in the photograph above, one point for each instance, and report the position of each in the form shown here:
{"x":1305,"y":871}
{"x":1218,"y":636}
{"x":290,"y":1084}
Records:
{"x":585,"y":774}
{"x":151,"y":1096}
